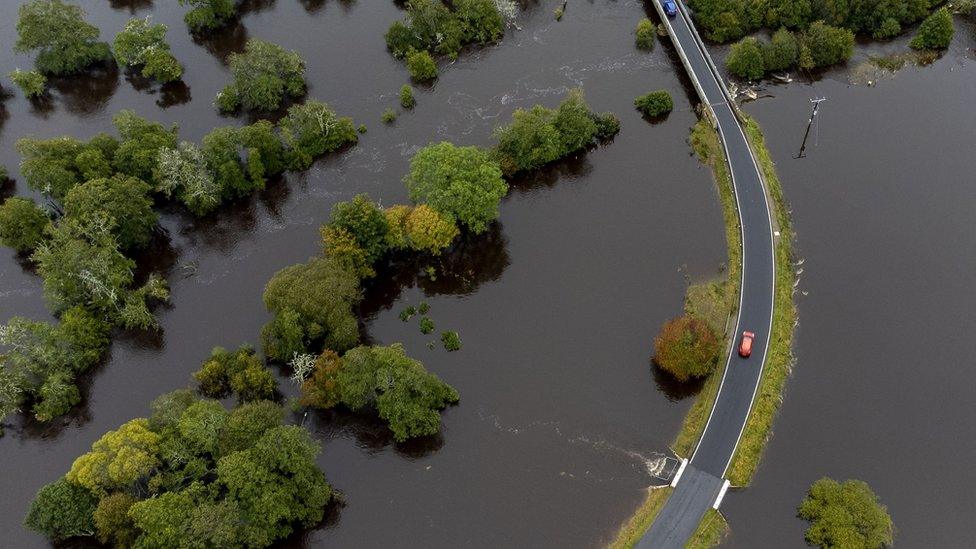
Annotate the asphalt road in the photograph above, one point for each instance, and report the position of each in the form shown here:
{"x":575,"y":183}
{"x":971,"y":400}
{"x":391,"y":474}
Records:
{"x":696,"y":490}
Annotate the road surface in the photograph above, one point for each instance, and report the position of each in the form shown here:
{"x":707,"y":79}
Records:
{"x":701,"y":482}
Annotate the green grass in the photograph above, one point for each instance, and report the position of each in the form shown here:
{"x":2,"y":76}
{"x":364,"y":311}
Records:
{"x":632,"y":530}
{"x":710,"y":532}
{"x":779,"y":360}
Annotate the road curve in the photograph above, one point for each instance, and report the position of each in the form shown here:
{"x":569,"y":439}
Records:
{"x":701,"y":482}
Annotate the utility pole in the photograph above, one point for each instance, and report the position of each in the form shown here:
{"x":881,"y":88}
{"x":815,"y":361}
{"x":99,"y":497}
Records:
{"x":816,"y":107}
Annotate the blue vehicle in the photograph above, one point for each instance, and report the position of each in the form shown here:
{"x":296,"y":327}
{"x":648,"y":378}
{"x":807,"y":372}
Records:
{"x":670,"y":8}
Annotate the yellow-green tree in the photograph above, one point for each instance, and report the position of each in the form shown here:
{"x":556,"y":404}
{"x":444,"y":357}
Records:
{"x":118,"y":459}
{"x":429,"y":230}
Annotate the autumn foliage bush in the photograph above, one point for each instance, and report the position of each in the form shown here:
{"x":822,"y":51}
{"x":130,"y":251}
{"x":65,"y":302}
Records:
{"x":687,"y":347}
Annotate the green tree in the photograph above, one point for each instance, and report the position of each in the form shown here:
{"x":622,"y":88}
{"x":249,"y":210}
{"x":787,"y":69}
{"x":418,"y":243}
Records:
{"x":429,"y":230}
{"x":30,"y":82}
{"x":827,"y":45}
{"x":125,"y":200}
{"x":463,"y":183}
{"x":264,"y":75}
{"x":312,"y":129}
{"x":240,"y":371}
{"x":182,"y":172}
{"x":142,"y":43}
{"x":421,"y":66}
{"x":935,"y":33}
{"x":112,"y":521}
{"x":654,"y":104}
{"x":406,"y":396}
{"x":396,"y":220}
{"x":480,"y":21}
{"x":365,"y":221}
{"x":275,"y":484}
{"x":323,"y":294}
{"x":342,"y":246}
{"x":792,"y":14}
{"x":247,"y":424}
{"x":320,"y":390}
{"x":285,"y":336}
{"x":66,"y":43}
{"x":62,"y":510}
{"x":845,"y":514}
{"x":54,"y":166}
{"x":208,"y":14}
{"x":782,"y":52}
{"x":687,"y":347}
{"x":139,"y":146}
{"x":22,"y":224}
{"x":645,"y":34}
{"x":201,"y":424}
{"x":745,"y":59}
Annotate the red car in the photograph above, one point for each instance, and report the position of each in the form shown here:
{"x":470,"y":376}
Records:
{"x":745,"y":346}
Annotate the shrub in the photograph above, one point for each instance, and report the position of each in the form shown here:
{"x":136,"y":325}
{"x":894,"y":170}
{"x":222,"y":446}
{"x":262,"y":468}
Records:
{"x":22,"y":224}
{"x":264,"y":75}
{"x":322,"y":293}
{"x":654,"y":104}
{"x":463,"y":183}
{"x":645,"y":33}
{"x":30,"y":82}
{"x":745,"y":59}
{"x":407,"y":100}
{"x":451,"y":341}
{"x":312,"y":129}
{"x":66,"y":42}
{"x":208,"y":14}
{"x":142,"y":43}
{"x":421,"y":66}
{"x":687,"y":348}
{"x":781,"y":53}
{"x":846,"y":514}
{"x":935,"y":33}
{"x":540,"y":135}
{"x":426,"y":325}
{"x":389,"y":116}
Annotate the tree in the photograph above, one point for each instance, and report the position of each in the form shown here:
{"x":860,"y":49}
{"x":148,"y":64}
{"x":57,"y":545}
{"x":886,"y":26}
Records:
{"x":312,"y":129}
{"x":745,"y":59}
{"x":322,"y":293}
{"x":264,"y":75}
{"x":201,"y":424}
{"x":320,"y":389}
{"x":429,"y":230}
{"x":935,"y":33}
{"x":365,"y":221}
{"x":463,"y":183}
{"x":687,"y":347}
{"x":112,"y":521}
{"x":827,"y":45}
{"x":540,"y":135}
{"x":285,"y":336}
{"x":247,"y":424}
{"x":792,"y":14}
{"x":480,"y":20}
{"x":117,"y":459}
{"x":30,"y":82}
{"x":22,"y":224}
{"x":846,"y":514}
{"x":222,"y":155}
{"x":275,"y":484}
{"x":208,"y":14}
{"x":54,"y":166}
{"x":421,"y":66}
{"x":431,"y":26}
{"x":66,"y":42}
{"x":142,"y":43}
{"x":241,"y":372}
{"x":396,"y":220}
{"x":645,"y":34}
{"x":406,"y":396}
{"x":123,"y":199}
{"x":782,"y":52}
{"x":654,"y":104}
{"x":182,"y":172}
{"x":62,"y":510}
{"x":140,"y":142}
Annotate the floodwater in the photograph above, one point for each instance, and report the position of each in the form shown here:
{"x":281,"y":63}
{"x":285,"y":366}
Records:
{"x":556,"y":305}
{"x":883,"y":387}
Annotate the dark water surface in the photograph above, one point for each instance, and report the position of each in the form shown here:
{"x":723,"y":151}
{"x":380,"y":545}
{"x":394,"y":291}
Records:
{"x":556,"y":305}
{"x":883,"y":387}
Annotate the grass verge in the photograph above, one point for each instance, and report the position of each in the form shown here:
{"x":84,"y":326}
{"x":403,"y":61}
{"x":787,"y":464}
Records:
{"x":631,"y":531}
{"x":779,"y":360}
{"x":711,"y":530}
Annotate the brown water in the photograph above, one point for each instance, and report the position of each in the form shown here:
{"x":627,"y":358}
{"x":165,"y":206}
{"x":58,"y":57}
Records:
{"x":556,"y":305}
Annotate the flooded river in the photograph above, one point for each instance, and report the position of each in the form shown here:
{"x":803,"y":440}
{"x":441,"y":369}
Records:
{"x":558,"y":303}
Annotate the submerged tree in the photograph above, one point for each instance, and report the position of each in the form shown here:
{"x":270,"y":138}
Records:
{"x":208,"y":14}
{"x":22,"y":224}
{"x":66,"y":43}
{"x":264,"y":75}
{"x":144,"y":44}
{"x":845,"y":514}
